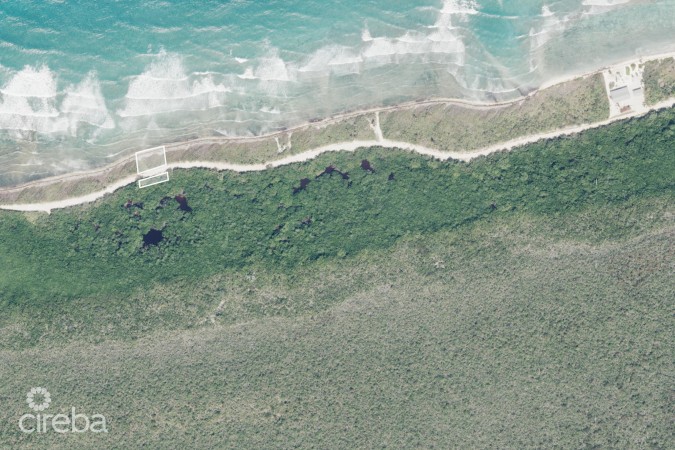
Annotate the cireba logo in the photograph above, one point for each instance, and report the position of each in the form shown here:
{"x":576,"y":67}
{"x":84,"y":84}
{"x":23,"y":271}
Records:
{"x":39,"y":399}
{"x":46,"y":399}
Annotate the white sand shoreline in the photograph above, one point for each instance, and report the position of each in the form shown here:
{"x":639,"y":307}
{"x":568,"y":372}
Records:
{"x":343,"y":146}
{"x":351,"y":146}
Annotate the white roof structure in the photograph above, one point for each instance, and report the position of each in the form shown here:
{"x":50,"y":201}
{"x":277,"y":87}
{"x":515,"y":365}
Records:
{"x":620,"y":94}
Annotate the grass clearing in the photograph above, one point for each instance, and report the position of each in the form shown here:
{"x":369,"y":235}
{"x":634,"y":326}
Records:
{"x":457,"y":128}
{"x":659,"y":80}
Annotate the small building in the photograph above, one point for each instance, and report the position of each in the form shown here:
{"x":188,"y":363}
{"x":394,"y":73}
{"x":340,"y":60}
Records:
{"x":621,"y":94}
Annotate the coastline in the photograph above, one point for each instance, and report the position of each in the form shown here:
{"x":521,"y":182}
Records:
{"x":637,"y":59}
{"x":173,"y":146}
{"x":344,"y":146}
{"x":305,"y":155}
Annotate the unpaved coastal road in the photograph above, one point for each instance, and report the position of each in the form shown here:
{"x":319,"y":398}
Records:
{"x":349,"y":146}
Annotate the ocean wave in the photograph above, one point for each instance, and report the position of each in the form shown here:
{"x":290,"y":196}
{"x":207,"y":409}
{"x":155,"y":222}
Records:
{"x":593,"y":7}
{"x":336,"y":59}
{"x":444,"y":53}
{"x":31,"y":82}
{"x":609,"y":3}
{"x":166,"y":87}
{"x":459,"y":7}
{"x":268,"y":68}
{"x":442,"y":38}
{"x":551,"y":25}
{"x":30,"y":102}
{"x":85,"y":103}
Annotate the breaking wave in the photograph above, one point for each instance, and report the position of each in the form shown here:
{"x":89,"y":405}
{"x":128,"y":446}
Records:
{"x":268,"y":72}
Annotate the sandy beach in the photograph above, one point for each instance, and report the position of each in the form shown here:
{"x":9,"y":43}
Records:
{"x":378,"y":140}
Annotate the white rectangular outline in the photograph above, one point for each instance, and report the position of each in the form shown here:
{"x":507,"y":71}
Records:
{"x":164,"y":174}
{"x":153,"y":169}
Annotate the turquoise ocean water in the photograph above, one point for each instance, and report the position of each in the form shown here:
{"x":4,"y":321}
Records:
{"x":85,"y":82}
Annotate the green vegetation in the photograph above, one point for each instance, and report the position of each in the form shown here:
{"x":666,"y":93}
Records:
{"x":457,"y":128}
{"x":522,"y":300}
{"x":438,"y":125}
{"x":659,"y":80}
{"x":241,"y":221}
{"x":513,"y":332}
{"x":250,"y":151}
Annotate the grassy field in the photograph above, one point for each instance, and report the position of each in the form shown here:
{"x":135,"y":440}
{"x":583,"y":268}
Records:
{"x":457,"y":128}
{"x":523,"y":300}
{"x":659,"y":80}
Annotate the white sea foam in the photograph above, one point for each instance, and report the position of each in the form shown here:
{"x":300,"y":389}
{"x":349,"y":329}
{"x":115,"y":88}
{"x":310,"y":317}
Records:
{"x":546,"y":11}
{"x":162,"y":30}
{"x":459,"y":7}
{"x":340,"y":60}
{"x":269,"y":69}
{"x":30,"y":51}
{"x":604,"y":2}
{"x":166,"y":87}
{"x":443,"y":39}
{"x":248,"y":74}
{"x":268,"y":110}
{"x":551,"y":25}
{"x":32,"y":82}
{"x":592,"y":7}
{"x":272,"y":68}
{"x":85,"y":103}
{"x":28,"y":102}
{"x":210,"y":29}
